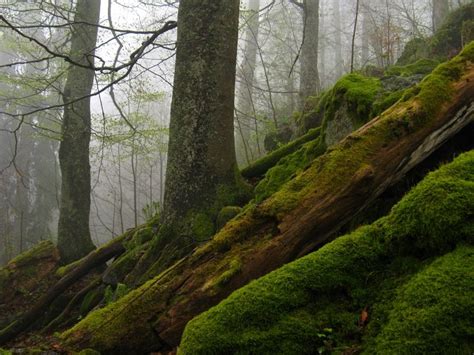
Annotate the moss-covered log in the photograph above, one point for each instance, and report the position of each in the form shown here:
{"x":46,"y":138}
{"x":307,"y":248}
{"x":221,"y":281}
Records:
{"x":303,"y":215}
{"x":290,"y":310}
{"x":262,"y":165}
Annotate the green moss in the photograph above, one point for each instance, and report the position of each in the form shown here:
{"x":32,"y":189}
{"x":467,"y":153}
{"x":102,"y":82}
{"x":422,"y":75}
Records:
{"x":261,"y":166}
{"x":287,"y":310}
{"x":415,"y":49}
{"x":44,"y":249}
{"x":433,"y":312}
{"x":386,"y":101}
{"x":448,"y":38}
{"x":357,"y":92}
{"x":91,"y":299}
{"x":287,"y":168}
{"x":5,"y":352}
{"x":226,"y":214}
{"x":421,"y":66}
{"x":88,"y":352}
{"x":233,"y":269}
{"x":467,"y":32}
{"x":63,"y":270}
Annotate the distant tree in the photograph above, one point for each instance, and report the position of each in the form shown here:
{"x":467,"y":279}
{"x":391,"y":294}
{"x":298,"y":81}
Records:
{"x":309,"y":74}
{"x":74,"y":240}
{"x":245,"y":108}
{"x":440,"y":11}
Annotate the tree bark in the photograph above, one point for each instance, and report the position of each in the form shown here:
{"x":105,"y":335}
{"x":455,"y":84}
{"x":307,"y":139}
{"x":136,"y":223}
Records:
{"x":305,"y":214}
{"x":74,"y":240}
{"x":201,"y":156}
{"x":309,"y":75}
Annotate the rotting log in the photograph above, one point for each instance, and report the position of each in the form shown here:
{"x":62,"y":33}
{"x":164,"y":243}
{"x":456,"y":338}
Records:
{"x":91,"y":261}
{"x":306,"y":213}
{"x":261,"y":166}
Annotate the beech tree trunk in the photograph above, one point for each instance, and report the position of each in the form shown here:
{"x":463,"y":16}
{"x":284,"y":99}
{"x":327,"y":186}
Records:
{"x":309,"y":75}
{"x":201,"y":158}
{"x":74,"y":240}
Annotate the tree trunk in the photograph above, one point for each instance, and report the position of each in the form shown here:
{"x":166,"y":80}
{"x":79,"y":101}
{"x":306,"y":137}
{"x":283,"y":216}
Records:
{"x":304,"y":215}
{"x":338,"y":40}
{"x":245,"y":112}
{"x":309,"y":75}
{"x":74,"y":240}
{"x":440,"y":11}
{"x":365,"y":33}
{"x":201,"y":159}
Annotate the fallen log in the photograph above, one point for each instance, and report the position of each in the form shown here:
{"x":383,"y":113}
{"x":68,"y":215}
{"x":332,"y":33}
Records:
{"x":303,"y":215}
{"x":258,"y":168}
{"x":94,"y":259}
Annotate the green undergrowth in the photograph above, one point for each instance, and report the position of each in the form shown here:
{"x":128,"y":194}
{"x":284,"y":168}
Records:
{"x":417,"y":300}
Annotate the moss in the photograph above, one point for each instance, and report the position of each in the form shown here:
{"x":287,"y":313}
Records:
{"x":357,"y":91}
{"x":41,"y":250}
{"x":5,"y":352}
{"x":287,"y":310}
{"x":386,"y":101}
{"x":234,"y":268}
{"x":448,"y":38}
{"x":261,"y":166}
{"x":467,"y":32}
{"x":226,"y":214}
{"x":287,"y":168}
{"x":63,"y":270}
{"x":433,"y":312}
{"x":114,"y":322}
{"x":88,"y":352}
{"x":415,"y":49}
{"x":421,"y":66}
{"x":91,"y":299}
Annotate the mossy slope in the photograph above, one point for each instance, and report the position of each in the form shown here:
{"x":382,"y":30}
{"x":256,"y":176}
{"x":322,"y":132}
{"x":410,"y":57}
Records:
{"x":417,"y":301}
{"x":263,"y":236}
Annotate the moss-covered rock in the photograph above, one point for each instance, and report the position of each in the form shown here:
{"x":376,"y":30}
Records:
{"x":23,"y":274}
{"x":433,"y":312}
{"x":347,"y":106}
{"x":290,"y":310}
{"x":275,"y":139}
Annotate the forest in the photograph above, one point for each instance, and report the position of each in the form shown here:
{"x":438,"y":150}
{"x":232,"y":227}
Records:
{"x":236,"y":177}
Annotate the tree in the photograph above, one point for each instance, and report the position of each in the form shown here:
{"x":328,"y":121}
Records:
{"x":245,"y":105}
{"x":74,"y":240}
{"x":309,"y":75}
{"x":201,"y":174}
{"x":440,"y":10}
